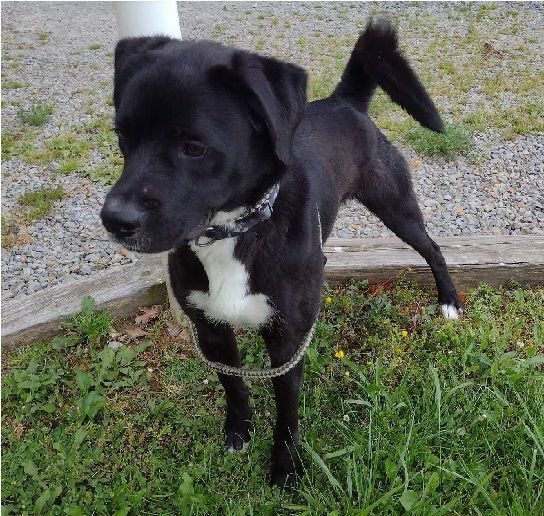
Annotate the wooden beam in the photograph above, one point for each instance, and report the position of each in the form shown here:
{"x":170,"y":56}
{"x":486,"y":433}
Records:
{"x":122,"y":289}
{"x":471,"y":260}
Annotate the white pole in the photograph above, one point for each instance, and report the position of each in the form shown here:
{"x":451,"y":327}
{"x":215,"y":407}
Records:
{"x":157,"y":18}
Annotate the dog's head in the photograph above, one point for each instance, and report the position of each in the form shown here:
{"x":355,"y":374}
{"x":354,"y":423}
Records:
{"x":203,"y":128}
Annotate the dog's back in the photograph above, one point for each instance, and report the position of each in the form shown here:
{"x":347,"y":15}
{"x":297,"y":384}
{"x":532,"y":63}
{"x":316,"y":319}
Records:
{"x":355,"y":158}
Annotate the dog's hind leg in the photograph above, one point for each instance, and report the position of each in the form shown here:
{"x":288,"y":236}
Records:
{"x":388,"y":193}
{"x":218,"y":343}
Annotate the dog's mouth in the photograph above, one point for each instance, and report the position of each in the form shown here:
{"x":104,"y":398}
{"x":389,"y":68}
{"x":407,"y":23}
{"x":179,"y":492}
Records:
{"x":198,"y":230}
{"x":143,"y":243}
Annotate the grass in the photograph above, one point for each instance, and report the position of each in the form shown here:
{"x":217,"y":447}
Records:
{"x":16,"y":144}
{"x":69,"y":166}
{"x":36,"y":115}
{"x":12,"y":85}
{"x":421,"y":415}
{"x":32,"y":206}
{"x":457,"y":139}
{"x":68,"y":146}
{"x":95,"y":46}
{"x":38,"y":203}
{"x":71,"y":150}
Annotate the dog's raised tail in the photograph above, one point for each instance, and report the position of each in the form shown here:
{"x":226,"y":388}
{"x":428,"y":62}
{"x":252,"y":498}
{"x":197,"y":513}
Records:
{"x":377,"y":61}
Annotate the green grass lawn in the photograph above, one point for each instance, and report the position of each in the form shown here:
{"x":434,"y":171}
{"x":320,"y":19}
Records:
{"x":421,"y":415}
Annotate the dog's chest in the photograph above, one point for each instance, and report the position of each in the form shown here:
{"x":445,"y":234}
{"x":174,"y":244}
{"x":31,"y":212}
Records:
{"x":228,"y":299}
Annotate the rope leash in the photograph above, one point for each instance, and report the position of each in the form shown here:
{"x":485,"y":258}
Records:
{"x":241,"y":372}
{"x":252,"y":374}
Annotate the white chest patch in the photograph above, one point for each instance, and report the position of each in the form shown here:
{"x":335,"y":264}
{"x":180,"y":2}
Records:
{"x":228,"y":299}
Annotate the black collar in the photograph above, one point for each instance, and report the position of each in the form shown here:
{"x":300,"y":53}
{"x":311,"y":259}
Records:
{"x":251,"y":215}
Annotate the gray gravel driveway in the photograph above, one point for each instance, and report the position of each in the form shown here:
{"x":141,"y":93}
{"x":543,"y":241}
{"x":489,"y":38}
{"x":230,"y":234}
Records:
{"x":60,"y":54}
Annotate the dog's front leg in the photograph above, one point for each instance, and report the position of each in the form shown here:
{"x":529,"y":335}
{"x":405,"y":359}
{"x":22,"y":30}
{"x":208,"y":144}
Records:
{"x":286,"y":464}
{"x":282,"y":342}
{"x":219,"y":344}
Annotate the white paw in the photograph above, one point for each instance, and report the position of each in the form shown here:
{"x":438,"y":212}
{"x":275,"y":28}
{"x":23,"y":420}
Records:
{"x":244,"y":446}
{"x":450,"y":312}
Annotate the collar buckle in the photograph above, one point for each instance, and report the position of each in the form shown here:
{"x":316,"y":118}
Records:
{"x":252,"y":216}
{"x":210,"y":241}
{"x":265,"y":211}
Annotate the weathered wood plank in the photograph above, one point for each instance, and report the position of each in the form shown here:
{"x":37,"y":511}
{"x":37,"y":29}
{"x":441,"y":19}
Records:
{"x":123,"y":289}
{"x":471,"y":260}
{"x":120,"y":289}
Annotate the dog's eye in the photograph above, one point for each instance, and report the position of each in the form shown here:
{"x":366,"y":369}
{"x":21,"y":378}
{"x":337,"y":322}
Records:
{"x":194,"y":150}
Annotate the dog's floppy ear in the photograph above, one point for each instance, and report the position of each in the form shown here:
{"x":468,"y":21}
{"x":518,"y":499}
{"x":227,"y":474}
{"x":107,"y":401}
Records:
{"x":130,"y":54}
{"x":274,"y":91}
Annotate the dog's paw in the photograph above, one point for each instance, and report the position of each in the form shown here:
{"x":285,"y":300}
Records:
{"x":237,"y":442}
{"x":283,"y":479}
{"x":237,"y":435}
{"x":451,"y":306}
{"x":451,"y":311}
{"x":286,"y":466}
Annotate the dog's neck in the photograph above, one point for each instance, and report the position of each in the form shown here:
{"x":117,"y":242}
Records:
{"x":228,"y":224}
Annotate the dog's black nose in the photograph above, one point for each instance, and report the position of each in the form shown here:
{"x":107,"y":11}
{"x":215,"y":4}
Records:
{"x":122,"y":218}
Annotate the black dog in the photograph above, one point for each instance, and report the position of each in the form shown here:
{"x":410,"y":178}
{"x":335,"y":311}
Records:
{"x":229,"y":169}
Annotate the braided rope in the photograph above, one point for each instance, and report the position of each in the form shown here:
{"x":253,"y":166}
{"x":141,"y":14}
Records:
{"x":253,"y":374}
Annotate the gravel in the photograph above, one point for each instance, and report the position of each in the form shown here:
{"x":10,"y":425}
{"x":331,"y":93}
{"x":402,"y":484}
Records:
{"x":501,"y":194}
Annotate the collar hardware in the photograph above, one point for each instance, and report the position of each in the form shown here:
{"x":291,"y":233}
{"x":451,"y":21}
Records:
{"x":252,"y":215}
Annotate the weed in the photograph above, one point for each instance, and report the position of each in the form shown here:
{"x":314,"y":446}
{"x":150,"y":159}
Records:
{"x":217,"y":31}
{"x":31,"y":206}
{"x":12,"y":236}
{"x":476,"y":121}
{"x":36,"y":115}
{"x":16,"y":144}
{"x":12,"y":85}
{"x":89,"y":326}
{"x":455,"y":140}
{"x":522,"y":119}
{"x":484,"y":10}
{"x":61,"y":148}
{"x":413,"y":415}
{"x":95,"y":46}
{"x":447,"y":67}
{"x":69,"y":166}
{"x":38,"y":203}
{"x":104,"y":173}
{"x":43,"y":37}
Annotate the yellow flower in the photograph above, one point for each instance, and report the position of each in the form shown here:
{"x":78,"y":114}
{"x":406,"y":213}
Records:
{"x":328,"y":300}
{"x":404,"y":333}
{"x":340,"y":354}
{"x":369,"y":363}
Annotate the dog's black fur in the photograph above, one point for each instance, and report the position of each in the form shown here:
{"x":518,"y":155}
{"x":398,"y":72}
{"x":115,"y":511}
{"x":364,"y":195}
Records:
{"x":205,"y":128}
